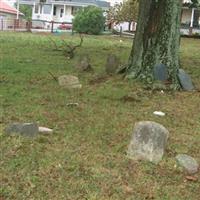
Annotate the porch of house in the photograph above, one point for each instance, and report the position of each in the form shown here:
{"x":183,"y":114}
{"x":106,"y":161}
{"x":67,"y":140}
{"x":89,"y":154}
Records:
{"x":54,"y":12}
{"x":190,"y":21}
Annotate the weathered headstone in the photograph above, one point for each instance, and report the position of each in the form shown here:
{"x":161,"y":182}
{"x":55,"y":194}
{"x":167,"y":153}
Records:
{"x":185,"y":80}
{"x":26,"y":129}
{"x":112,"y":64}
{"x":69,"y":81}
{"x":148,"y":141}
{"x":160,"y":72}
{"x":84,"y":64}
{"x":188,"y":163}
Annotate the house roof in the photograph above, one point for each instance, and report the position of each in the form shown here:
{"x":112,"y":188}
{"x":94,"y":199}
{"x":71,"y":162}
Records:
{"x":4,"y":7}
{"x":100,"y":3}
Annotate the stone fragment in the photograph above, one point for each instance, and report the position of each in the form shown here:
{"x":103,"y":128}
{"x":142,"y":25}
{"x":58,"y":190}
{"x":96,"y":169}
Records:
{"x":45,"y":130}
{"x":148,"y":141}
{"x":26,"y":129}
{"x":185,"y":80}
{"x":69,"y":81}
{"x":159,"y":113}
{"x":188,"y":163}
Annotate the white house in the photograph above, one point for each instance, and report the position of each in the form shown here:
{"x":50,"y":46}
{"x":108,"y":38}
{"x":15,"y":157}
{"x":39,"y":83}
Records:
{"x":190,"y":19}
{"x":61,"y":11}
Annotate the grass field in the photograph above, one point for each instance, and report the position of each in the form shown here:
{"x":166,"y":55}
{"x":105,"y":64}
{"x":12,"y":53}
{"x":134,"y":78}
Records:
{"x":85,"y":157}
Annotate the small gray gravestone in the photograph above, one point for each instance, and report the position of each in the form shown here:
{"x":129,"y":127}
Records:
{"x":69,"y":81}
{"x":112,"y":64}
{"x":185,"y":80}
{"x":26,"y":129}
{"x":84,"y":64}
{"x":160,"y":72}
{"x":188,"y":163}
{"x":148,"y":141}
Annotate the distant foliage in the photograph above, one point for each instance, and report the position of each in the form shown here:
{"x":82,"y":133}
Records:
{"x":192,"y":4}
{"x":26,"y":10}
{"x":89,"y":20}
{"x":124,"y":12}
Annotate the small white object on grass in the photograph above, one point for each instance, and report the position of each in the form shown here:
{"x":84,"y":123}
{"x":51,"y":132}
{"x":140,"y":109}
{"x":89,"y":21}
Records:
{"x":45,"y":130}
{"x":120,"y":41}
{"x":72,"y":104}
{"x":159,"y":113}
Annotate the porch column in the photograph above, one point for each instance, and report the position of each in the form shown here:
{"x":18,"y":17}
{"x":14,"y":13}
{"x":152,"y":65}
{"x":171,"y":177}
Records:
{"x":52,"y":11}
{"x":192,"y":18}
{"x":33,"y":9}
{"x":39,"y":8}
{"x":64,"y":10}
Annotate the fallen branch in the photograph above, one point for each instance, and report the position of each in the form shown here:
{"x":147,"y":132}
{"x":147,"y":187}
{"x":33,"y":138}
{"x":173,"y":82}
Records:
{"x":54,"y":77}
{"x":68,"y":49}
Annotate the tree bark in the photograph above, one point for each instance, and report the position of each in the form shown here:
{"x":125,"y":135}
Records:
{"x":157,"y":40}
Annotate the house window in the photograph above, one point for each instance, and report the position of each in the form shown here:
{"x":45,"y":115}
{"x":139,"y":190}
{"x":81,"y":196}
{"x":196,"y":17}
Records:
{"x":74,"y":10}
{"x":47,"y":9}
{"x":54,"y":10}
{"x":36,"y":9}
{"x":61,"y":12}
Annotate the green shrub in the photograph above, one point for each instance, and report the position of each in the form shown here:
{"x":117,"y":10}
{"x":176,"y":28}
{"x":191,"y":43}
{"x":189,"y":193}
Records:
{"x":89,"y":20}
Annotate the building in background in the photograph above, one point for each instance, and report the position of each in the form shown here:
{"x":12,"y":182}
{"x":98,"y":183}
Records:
{"x":190,"y":19}
{"x":8,"y":16}
{"x":113,"y":2}
{"x":60,"y":11}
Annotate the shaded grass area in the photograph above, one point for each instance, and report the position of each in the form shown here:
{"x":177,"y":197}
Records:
{"x":85,"y":158}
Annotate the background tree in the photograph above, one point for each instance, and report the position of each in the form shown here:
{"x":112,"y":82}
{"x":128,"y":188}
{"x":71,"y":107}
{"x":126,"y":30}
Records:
{"x":124,"y":12}
{"x":26,"y":10}
{"x":192,"y":4}
{"x":89,"y":20}
{"x":157,"y":40}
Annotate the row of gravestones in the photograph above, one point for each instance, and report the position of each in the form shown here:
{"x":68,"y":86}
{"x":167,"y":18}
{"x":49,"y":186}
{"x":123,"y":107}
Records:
{"x":161,"y":74}
{"x":148,"y":142}
{"x":160,"y":71}
{"x":112,"y":64}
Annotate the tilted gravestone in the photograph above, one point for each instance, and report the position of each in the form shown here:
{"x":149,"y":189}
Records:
{"x":160,"y":72}
{"x":148,"y":141}
{"x":69,"y":81}
{"x":26,"y":129}
{"x":185,"y":80}
{"x":112,"y":64}
{"x":188,"y":163}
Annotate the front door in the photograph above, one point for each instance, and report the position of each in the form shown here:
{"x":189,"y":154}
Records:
{"x":61,"y":12}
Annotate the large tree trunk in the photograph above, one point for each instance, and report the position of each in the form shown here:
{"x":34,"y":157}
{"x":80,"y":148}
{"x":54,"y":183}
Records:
{"x":157,"y":40}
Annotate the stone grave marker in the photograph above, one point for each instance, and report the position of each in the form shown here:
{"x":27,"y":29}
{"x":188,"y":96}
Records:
{"x":185,"y":80}
{"x":148,"y":141}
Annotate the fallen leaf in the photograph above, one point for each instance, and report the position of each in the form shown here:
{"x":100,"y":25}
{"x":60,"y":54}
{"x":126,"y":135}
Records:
{"x":191,"y":178}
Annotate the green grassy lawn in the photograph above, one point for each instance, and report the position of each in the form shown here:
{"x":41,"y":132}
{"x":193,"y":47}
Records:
{"x":85,"y":157}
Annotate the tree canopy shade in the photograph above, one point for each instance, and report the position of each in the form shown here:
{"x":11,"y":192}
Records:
{"x":156,"y":41}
